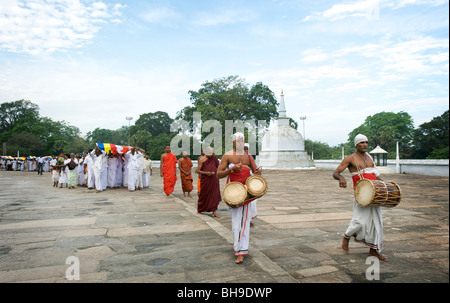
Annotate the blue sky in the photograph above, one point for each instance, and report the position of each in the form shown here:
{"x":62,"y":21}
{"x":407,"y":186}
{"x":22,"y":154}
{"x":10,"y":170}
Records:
{"x":93,"y":63}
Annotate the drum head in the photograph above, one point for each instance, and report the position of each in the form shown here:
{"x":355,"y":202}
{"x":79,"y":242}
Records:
{"x":364,"y":192}
{"x":256,"y":185}
{"x":234,"y":194}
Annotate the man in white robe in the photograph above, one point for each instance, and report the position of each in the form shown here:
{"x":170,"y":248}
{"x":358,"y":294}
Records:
{"x":367,"y":222}
{"x":112,"y":168}
{"x":148,"y":170}
{"x":98,"y":157}
{"x":119,"y":172}
{"x":140,"y":173}
{"x":89,"y":163}
{"x":105,"y":172}
{"x":125,"y":171}
{"x":80,"y":168}
{"x":133,"y":156}
{"x":238,"y":166}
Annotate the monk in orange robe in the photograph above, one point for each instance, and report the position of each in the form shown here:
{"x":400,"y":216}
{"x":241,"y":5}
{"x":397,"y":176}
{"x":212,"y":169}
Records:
{"x":185,"y":165}
{"x":168,"y":171}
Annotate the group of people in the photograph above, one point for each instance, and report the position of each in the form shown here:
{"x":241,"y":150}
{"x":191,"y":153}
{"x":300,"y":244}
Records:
{"x":366,"y":225}
{"x":26,"y":164}
{"x":99,"y":170}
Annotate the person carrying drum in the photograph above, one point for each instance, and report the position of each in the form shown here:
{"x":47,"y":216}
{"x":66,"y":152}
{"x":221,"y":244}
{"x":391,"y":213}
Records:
{"x":237,"y":165}
{"x":367,"y":222}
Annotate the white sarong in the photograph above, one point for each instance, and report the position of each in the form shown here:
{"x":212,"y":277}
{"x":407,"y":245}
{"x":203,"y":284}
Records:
{"x":367,"y":222}
{"x":240,"y":221}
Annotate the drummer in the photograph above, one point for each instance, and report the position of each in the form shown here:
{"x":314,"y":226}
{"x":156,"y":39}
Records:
{"x":237,"y":166}
{"x":367,"y":222}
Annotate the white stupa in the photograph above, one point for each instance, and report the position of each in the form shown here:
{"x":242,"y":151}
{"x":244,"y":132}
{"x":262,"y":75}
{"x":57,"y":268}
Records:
{"x":282,"y":146}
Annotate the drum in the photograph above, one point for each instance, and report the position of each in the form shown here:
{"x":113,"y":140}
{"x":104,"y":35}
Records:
{"x":235,"y":194}
{"x":377,"y":193}
{"x":256,"y":186}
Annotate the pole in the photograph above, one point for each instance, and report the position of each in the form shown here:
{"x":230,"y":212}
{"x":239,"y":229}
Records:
{"x":397,"y":161}
{"x":129,"y":121}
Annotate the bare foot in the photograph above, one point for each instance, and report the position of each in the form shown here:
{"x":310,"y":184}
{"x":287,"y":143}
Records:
{"x":239,"y":259}
{"x":214,"y":214}
{"x":189,"y":195}
{"x":169,"y":196}
{"x":374,"y":253}
{"x":345,"y":244}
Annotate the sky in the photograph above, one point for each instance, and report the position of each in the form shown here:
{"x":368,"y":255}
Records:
{"x":94,"y":63}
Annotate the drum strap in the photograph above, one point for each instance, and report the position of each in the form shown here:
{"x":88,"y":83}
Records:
{"x":251,"y":162}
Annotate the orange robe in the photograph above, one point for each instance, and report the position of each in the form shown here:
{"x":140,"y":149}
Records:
{"x":186,"y":181}
{"x":169,"y":171}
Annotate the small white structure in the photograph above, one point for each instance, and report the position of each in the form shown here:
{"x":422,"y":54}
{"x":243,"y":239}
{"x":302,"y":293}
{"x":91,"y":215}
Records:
{"x":379,"y":156}
{"x":283,"y":147}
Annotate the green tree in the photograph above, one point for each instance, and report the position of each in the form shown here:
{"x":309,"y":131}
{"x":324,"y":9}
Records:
{"x":17,"y":113}
{"x":142,"y":139}
{"x":230,"y":98}
{"x":155,"y":123}
{"x":384,"y":129}
{"x":431,"y":139}
{"x":23,"y":129}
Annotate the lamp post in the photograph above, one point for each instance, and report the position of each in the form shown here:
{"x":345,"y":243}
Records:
{"x":129,"y":121}
{"x":397,"y":159}
{"x":303,"y":118}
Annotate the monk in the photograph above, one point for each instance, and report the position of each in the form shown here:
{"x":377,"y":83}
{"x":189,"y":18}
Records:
{"x":238,"y":166}
{"x":168,"y":171}
{"x":367,"y":222}
{"x":185,"y":165}
{"x":209,"y":197}
{"x":199,"y":179}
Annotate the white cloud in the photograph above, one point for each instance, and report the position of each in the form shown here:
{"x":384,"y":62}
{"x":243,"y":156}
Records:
{"x":44,"y":26}
{"x":314,"y":55}
{"x":221,"y":17}
{"x":403,"y":3}
{"x":158,"y":15}
{"x":367,"y":8}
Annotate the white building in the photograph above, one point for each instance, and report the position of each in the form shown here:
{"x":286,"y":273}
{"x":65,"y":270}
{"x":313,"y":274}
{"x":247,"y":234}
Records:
{"x":283,"y":147}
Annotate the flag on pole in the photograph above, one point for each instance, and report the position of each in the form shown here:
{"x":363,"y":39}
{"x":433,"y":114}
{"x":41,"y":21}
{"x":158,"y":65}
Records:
{"x":108,"y":147}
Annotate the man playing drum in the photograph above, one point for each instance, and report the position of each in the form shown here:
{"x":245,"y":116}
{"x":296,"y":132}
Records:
{"x":237,"y":165}
{"x":367,"y":222}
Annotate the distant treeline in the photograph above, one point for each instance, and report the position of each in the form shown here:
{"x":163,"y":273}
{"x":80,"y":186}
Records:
{"x":23,"y":129}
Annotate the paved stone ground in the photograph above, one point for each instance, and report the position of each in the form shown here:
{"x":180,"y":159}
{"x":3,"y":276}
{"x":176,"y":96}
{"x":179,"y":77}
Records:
{"x":119,"y":236}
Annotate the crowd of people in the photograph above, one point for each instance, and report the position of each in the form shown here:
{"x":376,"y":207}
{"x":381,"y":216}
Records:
{"x":133,"y":169}
{"x":98,"y":170}
{"x":27,"y":164}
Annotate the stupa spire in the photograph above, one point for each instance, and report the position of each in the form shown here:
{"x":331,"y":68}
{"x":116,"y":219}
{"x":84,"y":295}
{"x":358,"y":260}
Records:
{"x":282,"y":109}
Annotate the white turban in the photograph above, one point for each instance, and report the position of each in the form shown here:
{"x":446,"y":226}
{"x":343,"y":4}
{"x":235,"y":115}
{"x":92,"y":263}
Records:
{"x":237,"y":136}
{"x":360,"y":138}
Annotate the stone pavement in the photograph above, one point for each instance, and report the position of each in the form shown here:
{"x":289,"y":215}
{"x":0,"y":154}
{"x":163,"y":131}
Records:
{"x":119,"y":236}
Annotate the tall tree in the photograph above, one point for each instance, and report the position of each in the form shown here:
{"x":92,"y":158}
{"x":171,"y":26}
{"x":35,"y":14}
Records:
{"x":230,"y":98}
{"x":17,"y":112}
{"x":155,"y":123}
{"x":431,"y":139}
{"x":384,"y":129}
